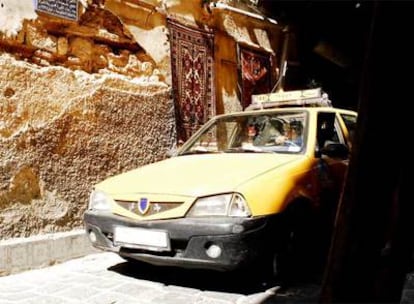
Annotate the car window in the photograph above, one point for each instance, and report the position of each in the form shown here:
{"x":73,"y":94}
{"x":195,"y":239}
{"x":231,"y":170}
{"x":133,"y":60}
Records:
{"x":328,"y":130}
{"x":350,"y":123}
{"x":253,"y":132}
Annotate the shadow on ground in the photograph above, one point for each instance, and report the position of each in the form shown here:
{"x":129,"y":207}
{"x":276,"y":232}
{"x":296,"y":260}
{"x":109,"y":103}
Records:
{"x":229,"y":282}
{"x":232,"y":282}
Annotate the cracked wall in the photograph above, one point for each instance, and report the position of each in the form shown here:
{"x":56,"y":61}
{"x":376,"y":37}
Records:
{"x":62,"y":131}
{"x":79,"y":101}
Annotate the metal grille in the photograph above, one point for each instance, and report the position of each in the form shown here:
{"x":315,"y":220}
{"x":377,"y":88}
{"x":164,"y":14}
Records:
{"x":154,"y":207}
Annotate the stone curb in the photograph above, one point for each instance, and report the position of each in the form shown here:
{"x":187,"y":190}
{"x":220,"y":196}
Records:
{"x":21,"y":254}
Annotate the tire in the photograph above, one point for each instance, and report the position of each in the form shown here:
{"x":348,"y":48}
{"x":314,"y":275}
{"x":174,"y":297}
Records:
{"x":290,"y":260}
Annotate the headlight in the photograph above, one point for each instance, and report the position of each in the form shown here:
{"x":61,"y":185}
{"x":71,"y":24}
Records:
{"x":232,"y":204}
{"x":238,"y":206}
{"x":98,"y":200}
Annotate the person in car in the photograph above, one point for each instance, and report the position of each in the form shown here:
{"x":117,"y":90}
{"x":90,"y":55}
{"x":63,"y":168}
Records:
{"x":292,"y":135}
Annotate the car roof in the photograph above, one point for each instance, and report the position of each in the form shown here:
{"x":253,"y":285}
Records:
{"x":296,"y":98}
{"x":314,"y":100}
{"x":290,"y":109}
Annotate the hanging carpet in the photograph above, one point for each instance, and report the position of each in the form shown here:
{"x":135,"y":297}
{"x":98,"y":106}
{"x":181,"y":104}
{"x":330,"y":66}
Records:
{"x":192,"y":66}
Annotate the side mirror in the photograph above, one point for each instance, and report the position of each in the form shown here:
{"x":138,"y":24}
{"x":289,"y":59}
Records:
{"x":335,"y":150}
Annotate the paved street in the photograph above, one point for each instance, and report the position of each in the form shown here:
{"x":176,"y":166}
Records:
{"x":105,"y":278}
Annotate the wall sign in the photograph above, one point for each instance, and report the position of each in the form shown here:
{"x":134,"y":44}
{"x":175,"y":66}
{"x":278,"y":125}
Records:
{"x":67,"y":9}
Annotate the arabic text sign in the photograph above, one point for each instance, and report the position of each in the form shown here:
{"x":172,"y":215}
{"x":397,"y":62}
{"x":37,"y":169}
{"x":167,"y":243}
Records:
{"x":67,"y":9}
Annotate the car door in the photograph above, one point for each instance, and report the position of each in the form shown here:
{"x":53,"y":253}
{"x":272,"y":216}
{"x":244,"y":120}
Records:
{"x":348,"y":120}
{"x":328,"y":174}
{"x":330,"y":168}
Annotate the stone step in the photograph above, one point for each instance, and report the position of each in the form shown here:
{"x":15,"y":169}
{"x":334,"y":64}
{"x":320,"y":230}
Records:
{"x":21,"y":254}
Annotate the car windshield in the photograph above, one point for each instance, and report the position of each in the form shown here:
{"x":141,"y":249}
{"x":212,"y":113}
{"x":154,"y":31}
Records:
{"x":251,"y":132}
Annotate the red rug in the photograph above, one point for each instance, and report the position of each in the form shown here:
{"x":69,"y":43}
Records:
{"x":192,"y":63}
{"x":255,"y":74}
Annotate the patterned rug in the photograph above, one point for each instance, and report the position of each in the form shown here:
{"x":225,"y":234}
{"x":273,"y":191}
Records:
{"x":193,"y":77}
{"x":255,"y":74}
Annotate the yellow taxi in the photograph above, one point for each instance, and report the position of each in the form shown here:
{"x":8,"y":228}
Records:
{"x":249,"y":188}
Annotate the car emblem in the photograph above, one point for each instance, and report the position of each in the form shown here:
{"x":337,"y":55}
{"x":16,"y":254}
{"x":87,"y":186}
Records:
{"x":143,"y":205}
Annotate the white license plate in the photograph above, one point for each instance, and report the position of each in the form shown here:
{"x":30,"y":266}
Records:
{"x":142,"y":238}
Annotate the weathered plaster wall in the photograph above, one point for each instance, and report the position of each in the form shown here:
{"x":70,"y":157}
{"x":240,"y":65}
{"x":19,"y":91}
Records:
{"x":79,"y":101}
{"x":97,"y":43}
{"x":60,"y":132}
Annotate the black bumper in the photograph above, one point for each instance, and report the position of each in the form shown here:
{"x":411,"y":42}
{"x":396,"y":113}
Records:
{"x":242,"y":240}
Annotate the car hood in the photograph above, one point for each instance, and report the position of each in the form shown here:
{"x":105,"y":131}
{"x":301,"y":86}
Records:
{"x":195,"y":175}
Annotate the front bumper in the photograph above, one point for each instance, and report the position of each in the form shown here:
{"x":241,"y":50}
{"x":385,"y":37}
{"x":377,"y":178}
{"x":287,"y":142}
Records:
{"x":241,"y":240}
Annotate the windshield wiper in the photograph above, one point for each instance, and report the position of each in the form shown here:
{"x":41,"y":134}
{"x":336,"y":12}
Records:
{"x":199,"y":151}
{"x":247,"y":149}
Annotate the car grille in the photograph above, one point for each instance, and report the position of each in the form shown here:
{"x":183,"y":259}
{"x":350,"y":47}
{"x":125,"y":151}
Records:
{"x":154,"y":207}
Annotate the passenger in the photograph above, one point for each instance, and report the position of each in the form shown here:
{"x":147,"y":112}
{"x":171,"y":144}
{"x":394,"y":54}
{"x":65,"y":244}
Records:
{"x":251,"y":134}
{"x":293,"y":135}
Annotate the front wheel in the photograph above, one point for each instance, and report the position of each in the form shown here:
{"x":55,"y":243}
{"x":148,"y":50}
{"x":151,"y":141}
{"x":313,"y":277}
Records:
{"x":291,"y":258}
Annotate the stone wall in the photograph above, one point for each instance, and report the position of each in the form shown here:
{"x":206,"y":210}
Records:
{"x":79,"y":101}
{"x":97,"y":43}
{"x":62,"y":130}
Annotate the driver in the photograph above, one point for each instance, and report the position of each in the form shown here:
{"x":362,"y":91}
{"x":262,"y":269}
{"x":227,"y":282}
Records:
{"x":292,"y":135}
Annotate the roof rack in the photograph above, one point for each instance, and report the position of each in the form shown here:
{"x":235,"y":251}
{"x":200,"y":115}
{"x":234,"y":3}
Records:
{"x":299,"y":98}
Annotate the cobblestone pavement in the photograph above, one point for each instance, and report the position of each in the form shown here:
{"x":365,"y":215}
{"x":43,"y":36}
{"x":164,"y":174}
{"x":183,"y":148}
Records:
{"x":105,"y":278}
